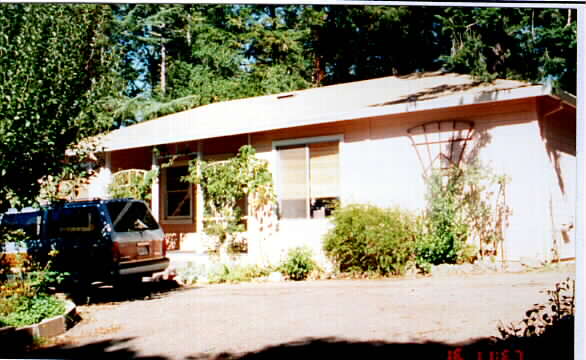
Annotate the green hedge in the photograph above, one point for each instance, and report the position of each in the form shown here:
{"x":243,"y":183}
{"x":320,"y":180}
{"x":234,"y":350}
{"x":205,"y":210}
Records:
{"x":367,"y":238}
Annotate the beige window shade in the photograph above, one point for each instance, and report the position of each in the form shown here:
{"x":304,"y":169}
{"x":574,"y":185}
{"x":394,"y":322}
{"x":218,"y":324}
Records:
{"x":294,"y":187}
{"x":323,"y":165}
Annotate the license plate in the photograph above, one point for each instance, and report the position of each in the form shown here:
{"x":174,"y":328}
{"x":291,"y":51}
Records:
{"x":143,"y":250}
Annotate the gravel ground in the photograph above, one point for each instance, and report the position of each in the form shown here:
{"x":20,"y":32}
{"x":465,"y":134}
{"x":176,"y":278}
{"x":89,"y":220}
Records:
{"x":165,"y":323}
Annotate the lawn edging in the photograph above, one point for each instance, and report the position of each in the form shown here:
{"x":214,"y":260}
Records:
{"x":57,"y":325}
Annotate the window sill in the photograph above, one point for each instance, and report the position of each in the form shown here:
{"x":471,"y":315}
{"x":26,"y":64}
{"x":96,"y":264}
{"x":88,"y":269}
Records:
{"x":177,"y":221}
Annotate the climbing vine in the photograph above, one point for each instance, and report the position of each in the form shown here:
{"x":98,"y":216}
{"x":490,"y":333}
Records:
{"x":463,"y":203}
{"x":225,"y":186}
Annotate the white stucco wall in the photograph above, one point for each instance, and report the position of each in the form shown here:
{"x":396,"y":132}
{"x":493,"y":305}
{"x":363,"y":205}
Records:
{"x":380,"y":166}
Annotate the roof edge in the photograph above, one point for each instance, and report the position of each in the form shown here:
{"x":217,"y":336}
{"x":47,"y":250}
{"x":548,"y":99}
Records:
{"x":451,"y":101}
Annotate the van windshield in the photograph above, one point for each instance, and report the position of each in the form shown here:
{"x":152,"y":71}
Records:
{"x":131,"y":216}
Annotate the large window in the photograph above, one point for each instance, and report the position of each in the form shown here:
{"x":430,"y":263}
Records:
{"x":308,"y":179}
{"x":178,"y":194}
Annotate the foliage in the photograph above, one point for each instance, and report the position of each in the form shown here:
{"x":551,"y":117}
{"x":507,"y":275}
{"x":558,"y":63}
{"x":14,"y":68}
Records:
{"x":299,"y":264}
{"x":221,"y":273}
{"x":237,"y":273}
{"x":543,"y":318}
{"x":136,"y":185}
{"x":224,"y":184}
{"x":183,"y":56}
{"x":514,"y":43}
{"x":445,"y":227}
{"x":26,"y":310}
{"x":367,"y":238}
{"x":58,"y":68}
{"x":462,"y":204}
{"x":25,"y":287}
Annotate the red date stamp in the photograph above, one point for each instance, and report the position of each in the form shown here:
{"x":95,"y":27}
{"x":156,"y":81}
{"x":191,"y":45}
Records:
{"x":506,"y":354}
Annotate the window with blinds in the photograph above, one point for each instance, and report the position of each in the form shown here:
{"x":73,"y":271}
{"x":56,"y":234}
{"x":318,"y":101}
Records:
{"x":309,"y":179}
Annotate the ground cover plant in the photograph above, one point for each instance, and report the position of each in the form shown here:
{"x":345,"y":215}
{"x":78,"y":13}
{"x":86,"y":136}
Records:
{"x":220,"y":273}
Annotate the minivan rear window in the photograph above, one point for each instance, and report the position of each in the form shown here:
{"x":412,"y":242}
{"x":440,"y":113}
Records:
{"x":131,"y":216}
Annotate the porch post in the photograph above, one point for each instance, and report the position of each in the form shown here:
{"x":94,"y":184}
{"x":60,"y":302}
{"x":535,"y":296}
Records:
{"x":155,"y":188}
{"x":199,"y":208}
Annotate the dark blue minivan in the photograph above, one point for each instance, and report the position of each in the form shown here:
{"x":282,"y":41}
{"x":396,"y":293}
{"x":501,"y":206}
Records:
{"x":97,"y":240}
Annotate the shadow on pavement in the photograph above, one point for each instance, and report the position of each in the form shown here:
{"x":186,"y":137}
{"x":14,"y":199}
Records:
{"x":555,"y":344}
{"x":106,"y":349}
{"x":100,"y":294}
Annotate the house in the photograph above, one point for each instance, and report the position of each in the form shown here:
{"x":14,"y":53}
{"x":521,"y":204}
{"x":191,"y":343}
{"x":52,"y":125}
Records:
{"x":372,"y":142}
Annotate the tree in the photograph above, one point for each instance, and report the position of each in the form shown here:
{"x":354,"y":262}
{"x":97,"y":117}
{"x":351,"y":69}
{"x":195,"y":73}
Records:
{"x":57,"y":72}
{"x":526,"y":44}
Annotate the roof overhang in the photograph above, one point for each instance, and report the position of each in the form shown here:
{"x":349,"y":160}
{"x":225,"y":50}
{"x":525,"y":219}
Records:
{"x":193,"y":125}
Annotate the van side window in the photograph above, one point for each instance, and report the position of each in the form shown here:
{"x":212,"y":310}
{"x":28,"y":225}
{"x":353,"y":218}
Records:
{"x":131,"y":216}
{"x":28,"y":222}
{"x":70,"y":221}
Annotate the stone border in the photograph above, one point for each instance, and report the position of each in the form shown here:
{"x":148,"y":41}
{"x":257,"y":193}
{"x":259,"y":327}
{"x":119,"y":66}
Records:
{"x":47,"y":328}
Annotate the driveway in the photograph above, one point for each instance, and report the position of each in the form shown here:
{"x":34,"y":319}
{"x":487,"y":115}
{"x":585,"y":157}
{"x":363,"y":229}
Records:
{"x":206,"y":321}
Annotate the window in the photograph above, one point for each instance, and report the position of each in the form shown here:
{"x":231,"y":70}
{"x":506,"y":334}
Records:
{"x":74,"y":222}
{"x":131,"y":216}
{"x":178,"y":194}
{"x":29,"y":222}
{"x":308,"y":179}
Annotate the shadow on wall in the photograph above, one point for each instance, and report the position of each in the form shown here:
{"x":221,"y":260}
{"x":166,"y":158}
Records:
{"x":558,"y":132}
{"x":555,"y":344}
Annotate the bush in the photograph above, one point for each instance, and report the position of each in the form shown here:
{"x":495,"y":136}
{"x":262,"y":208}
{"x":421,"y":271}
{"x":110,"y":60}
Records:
{"x":366,"y":238}
{"x":299,"y":264}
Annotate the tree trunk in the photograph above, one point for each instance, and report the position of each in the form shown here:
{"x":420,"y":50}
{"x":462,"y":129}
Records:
{"x":163,"y":68}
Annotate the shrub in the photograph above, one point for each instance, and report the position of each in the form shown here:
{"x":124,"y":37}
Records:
{"x":367,"y":238}
{"x":299,"y":264}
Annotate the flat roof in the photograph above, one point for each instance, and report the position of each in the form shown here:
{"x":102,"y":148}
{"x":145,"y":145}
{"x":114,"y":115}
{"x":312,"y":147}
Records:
{"x":349,"y":101}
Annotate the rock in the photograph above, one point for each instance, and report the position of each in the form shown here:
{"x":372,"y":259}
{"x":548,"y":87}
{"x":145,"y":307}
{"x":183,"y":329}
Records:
{"x":275,"y":276}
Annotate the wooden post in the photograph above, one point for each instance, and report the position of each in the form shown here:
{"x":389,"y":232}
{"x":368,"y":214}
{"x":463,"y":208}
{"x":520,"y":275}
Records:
{"x":155,"y":189}
{"x":199,"y":200}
